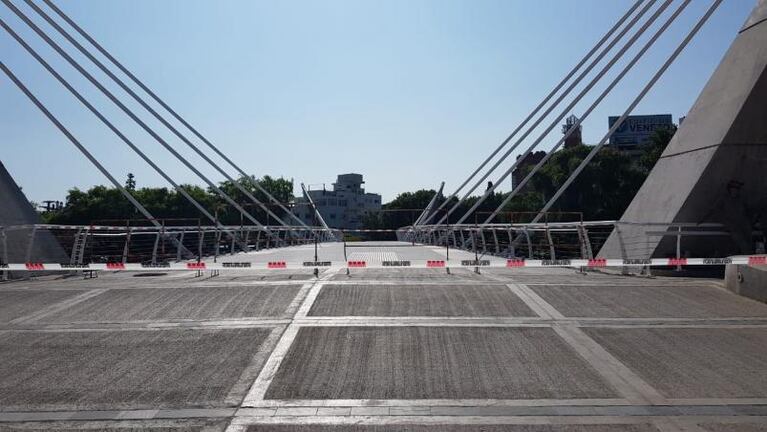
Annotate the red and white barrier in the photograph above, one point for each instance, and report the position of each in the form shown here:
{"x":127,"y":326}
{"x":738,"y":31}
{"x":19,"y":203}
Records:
{"x":489,"y":263}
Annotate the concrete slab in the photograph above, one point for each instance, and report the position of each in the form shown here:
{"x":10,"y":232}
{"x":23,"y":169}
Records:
{"x":734,"y":427}
{"x":648,"y":301}
{"x":123,"y":369}
{"x":411,"y":275}
{"x":433,"y":363}
{"x":180,"y":279}
{"x":19,"y":303}
{"x":455,"y":428}
{"x":418,"y":300}
{"x":692,"y":362}
{"x":196,"y":425}
{"x":566,"y":276}
{"x":263,"y":277}
{"x":181,"y":303}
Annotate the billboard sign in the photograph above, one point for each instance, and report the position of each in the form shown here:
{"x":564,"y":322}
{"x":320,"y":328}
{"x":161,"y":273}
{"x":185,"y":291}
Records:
{"x":636,"y":130}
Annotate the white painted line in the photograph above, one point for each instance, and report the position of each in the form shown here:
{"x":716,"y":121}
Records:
{"x":523,"y":295}
{"x":264,"y":379}
{"x":469,"y":403}
{"x":294,"y":306}
{"x":236,"y":427}
{"x":619,"y":376}
{"x":241,"y":386}
{"x":545,"y":306}
{"x":471,"y":420}
{"x":388,"y":321}
{"x":439,"y":322}
{"x":306,"y":306}
{"x":719,"y":401}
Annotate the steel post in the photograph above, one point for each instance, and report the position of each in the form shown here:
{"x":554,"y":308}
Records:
{"x":126,"y":247}
{"x":30,"y":245}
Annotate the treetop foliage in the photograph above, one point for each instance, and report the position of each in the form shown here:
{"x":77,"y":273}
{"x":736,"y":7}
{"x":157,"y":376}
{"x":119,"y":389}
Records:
{"x":103,"y":204}
{"x":602,"y":191}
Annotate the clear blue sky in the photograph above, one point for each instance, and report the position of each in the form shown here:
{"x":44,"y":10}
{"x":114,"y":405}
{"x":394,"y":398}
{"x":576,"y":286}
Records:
{"x":405,"y":92}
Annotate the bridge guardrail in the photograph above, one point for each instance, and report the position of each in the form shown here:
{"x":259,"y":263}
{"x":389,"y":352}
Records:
{"x":83,"y":244}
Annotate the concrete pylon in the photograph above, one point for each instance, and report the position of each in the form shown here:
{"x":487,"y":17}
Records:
{"x":16,"y":210}
{"x":713,"y":170}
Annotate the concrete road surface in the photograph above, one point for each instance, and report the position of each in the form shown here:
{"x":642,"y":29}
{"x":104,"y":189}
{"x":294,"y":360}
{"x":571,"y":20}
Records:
{"x":533,"y":350}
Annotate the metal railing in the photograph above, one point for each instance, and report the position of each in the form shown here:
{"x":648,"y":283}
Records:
{"x":556,"y":240}
{"x":81,"y":244}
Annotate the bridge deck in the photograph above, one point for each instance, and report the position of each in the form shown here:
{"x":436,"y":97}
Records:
{"x":380,"y":350}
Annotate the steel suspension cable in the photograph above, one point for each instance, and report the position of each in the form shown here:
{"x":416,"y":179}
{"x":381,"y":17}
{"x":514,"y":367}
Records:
{"x":588,"y":112}
{"x":88,"y":155}
{"x":583,"y":74}
{"x":564,"y":112}
{"x":151,"y":110}
{"x":428,"y":209}
{"x":702,"y":21}
{"x":162,"y":103}
{"x":536,"y":109}
{"x":317,"y":214}
{"x":114,"y":129}
{"x":133,"y":116}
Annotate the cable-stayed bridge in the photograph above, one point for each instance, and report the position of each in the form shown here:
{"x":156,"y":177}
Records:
{"x":605,"y":65}
{"x":465,"y":321}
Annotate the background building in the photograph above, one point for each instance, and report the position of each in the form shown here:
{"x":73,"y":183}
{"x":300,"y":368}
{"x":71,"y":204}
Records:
{"x":575,"y":138}
{"x":343,"y":207}
{"x":636,"y":131}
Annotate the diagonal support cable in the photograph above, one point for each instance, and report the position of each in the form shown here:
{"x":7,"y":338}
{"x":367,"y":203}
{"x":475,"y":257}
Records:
{"x":316,"y":211}
{"x":117,"y":132}
{"x":427,"y":211}
{"x":560,"y":99}
{"x":151,"y":110}
{"x":569,"y":107}
{"x":535,"y":111}
{"x":591,"y":108}
{"x":162,"y":103}
{"x":133,"y":116}
{"x":702,"y":21}
{"x":88,"y":155}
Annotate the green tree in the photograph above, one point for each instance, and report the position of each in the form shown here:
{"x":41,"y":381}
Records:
{"x":602,"y":190}
{"x":654,"y":148}
{"x":401,"y":211}
{"x":279,"y":188}
{"x":130,"y":182}
{"x":101,"y":203}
